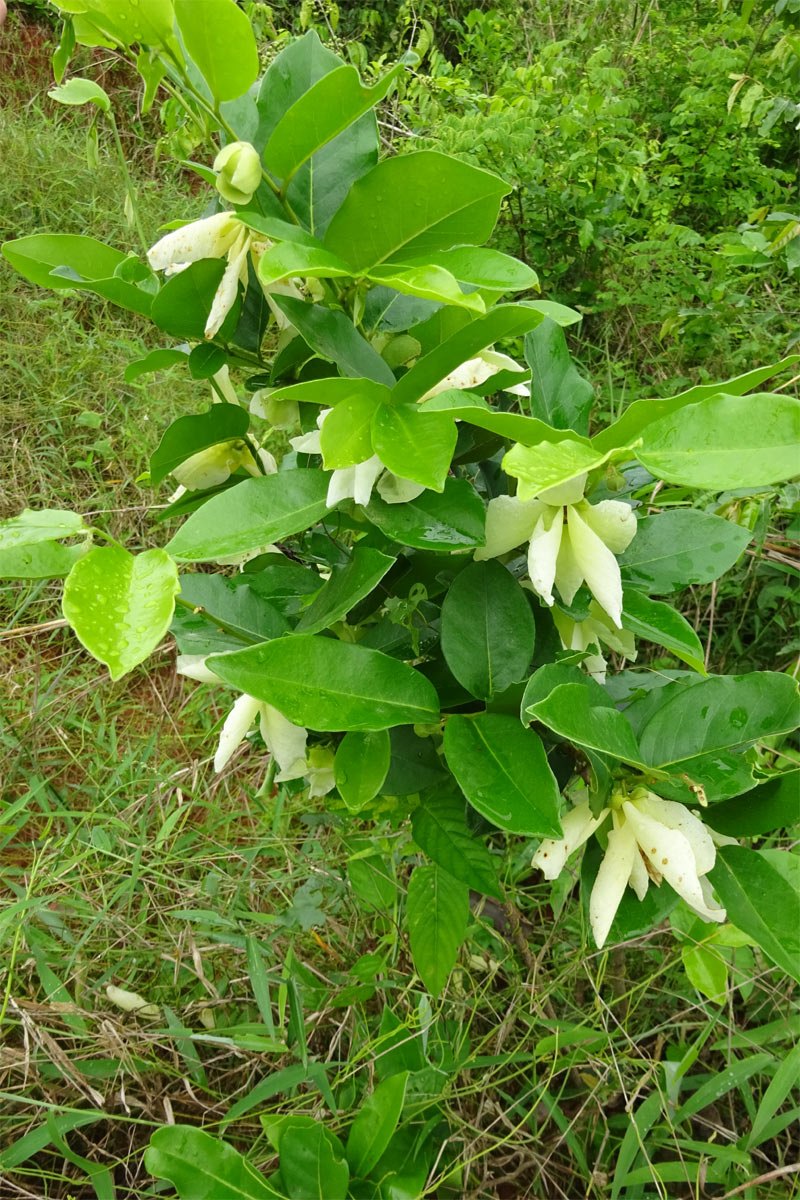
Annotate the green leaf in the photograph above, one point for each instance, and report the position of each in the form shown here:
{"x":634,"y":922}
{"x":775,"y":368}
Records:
{"x":43,"y":560}
{"x":375,"y":1123}
{"x":330,"y":685}
{"x":487,"y":629}
{"x":329,"y":106}
{"x":313,"y":1165}
{"x":576,"y":707}
{"x":469,"y":407}
{"x":642,"y":1120}
{"x":253,"y":514}
{"x":440,"y":831}
{"x":235,"y":604}
{"x":334,"y":337}
{"x":346,"y":433}
{"x":480,"y":267}
{"x":773,"y":805}
{"x":717,"y":713}
{"x":427,"y":282}
{"x":707,"y":971}
{"x":288,"y":259}
{"x":760,"y":902}
{"x":414,"y":764}
{"x":504,"y":321}
{"x":127,"y":21}
{"x":721,"y":774}
{"x":720,"y":1083}
{"x":559,"y":395}
{"x":360,"y":767}
{"x":413,"y":204}
{"x":220,"y":40}
{"x":782,"y":1084}
{"x":189,"y":435}
{"x":413,"y":444}
{"x":39,"y":525}
{"x":661,"y":623}
{"x":202,"y":1167}
{"x":726,"y":442}
{"x":332,"y":391}
{"x":372,"y":881}
{"x":120,"y":605}
{"x":550,"y":464}
{"x":683,"y":546}
{"x":502,"y":769}
{"x":156,"y":360}
{"x":63,"y":260}
{"x":644,"y":412}
{"x":346,"y":586}
{"x":437,"y":912}
{"x":81,"y":91}
{"x":452,"y":520}
{"x":182,"y":305}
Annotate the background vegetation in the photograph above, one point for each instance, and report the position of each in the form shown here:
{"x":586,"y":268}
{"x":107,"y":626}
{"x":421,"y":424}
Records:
{"x":654,"y":155}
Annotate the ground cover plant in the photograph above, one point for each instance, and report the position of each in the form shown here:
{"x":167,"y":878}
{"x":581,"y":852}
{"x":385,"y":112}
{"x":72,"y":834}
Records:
{"x":399,"y":559}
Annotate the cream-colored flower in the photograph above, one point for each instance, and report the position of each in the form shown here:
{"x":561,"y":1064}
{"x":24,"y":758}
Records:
{"x":214,"y":465}
{"x":597,"y":628}
{"x":475,"y":371}
{"x":357,"y":482}
{"x":569,"y":541}
{"x":239,"y":172}
{"x":650,"y":839}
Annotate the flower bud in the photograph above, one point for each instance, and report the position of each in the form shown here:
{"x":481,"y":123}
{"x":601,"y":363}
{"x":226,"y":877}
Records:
{"x":238,"y":168}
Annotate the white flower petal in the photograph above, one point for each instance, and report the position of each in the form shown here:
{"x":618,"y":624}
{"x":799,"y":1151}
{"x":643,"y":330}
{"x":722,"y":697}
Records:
{"x":341,"y":486}
{"x":268,"y":462}
{"x":569,"y":575}
{"x":237,"y":723}
{"x":226,"y":293}
{"x":612,"y":879}
{"x":613,"y":521}
{"x":364,"y":479}
{"x":671,"y":855}
{"x":306,"y":443}
{"x":578,"y":825}
{"x":639,"y":880}
{"x":286,"y":742}
{"x":222,"y":378}
{"x":193,"y":666}
{"x":678,"y":816}
{"x":599,"y":567}
{"x":543,"y":551}
{"x":209,"y":238}
{"x":393,"y":489}
{"x":509,"y":523}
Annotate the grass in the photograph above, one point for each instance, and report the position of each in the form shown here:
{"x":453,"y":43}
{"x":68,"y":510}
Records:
{"x":552,"y":1070}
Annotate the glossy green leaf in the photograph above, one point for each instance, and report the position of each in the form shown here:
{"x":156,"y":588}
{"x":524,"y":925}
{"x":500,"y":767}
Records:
{"x":42,"y":560}
{"x":559,"y":395}
{"x":440,"y":830}
{"x":576,"y":707}
{"x":120,"y":605}
{"x":219,"y":37}
{"x":81,"y":91}
{"x":502,"y":769}
{"x":469,"y":407}
{"x":662,"y":624}
{"x":182,"y":305}
{"x":346,"y":433}
{"x":413,"y":204}
{"x":760,"y":902}
{"x":375,"y":1123}
{"x":721,"y":774}
{"x":490,"y":270}
{"x":331,"y":391}
{"x":202,"y":1167}
{"x":414,"y":764}
{"x":427,"y":282}
{"x":334,"y":337}
{"x":329,"y":106}
{"x":437,"y":913}
{"x":726,"y":442}
{"x":189,"y":435}
{"x":506,"y":320}
{"x":717,"y":713}
{"x":39,"y":525}
{"x":235,"y":605}
{"x":773,"y":805}
{"x":346,"y":586}
{"x":330,"y":685}
{"x":127,"y":21}
{"x":452,"y":520}
{"x":487,"y":629}
{"x":63,"y":260}
{"x":252,"y":515}
{"x":706,"y":971}
{"x":156,"y":360}
{"x":288,"y":259}
{"x":550,"y":464}
{"x":644,"y":412}
{"x":313,"y":1164}
{"x":360,"y":766}
{"x":679,"y":547}
{"x":413,"y":444}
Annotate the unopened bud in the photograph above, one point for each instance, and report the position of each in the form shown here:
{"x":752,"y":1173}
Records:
{"x":238,"y":168}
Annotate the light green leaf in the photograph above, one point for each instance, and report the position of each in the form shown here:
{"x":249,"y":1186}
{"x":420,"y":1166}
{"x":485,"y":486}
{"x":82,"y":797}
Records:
{"x":43,"y":560}
{"x":72,"y":261}
{"x":372,"y":881}
{"x":252,"y":515}
{"x":550,"y":464}
{"x":199,"y":431}
{"x":469,"y":407}
{"x":331,"y":391}
{"x":219,"y":37}
{"x":483,"y":268}
{"x":202,"y":1167}
{"x":39,"y":525}
{"x":707,"y":971}
{"x":288,"y":259}
{"x":720,"y":1083}
{"x":344,"y":589}
{"x":502,"y":769}
{"x":81,"y":91}
{"x":452,"y":520}
{"x":429,"y":282}
{"x":125,"y":21}
{"x":360,"y":767}
{"x":759,"y":901}
{"x":437,"y":912}
{"x":782,"y":1084}
{"x":413,"y":204}
{"x":679,"y":547}
{"x":330,"y":685}
{"x":346,"y":434}
{"x":661,"y":623}
{"x":413,"y":444}
{"x":726,"y":442}
{"x":375,"y":1123}
{"x":487,"y":630}
{"x":440,"y":830}
{"x":120,"y":605}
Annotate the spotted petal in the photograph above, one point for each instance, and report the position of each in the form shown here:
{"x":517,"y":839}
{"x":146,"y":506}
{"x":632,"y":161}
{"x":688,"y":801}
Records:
{"x":209,"y":238}
{"x":670,"y":853}
{"x":678,"y":816}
